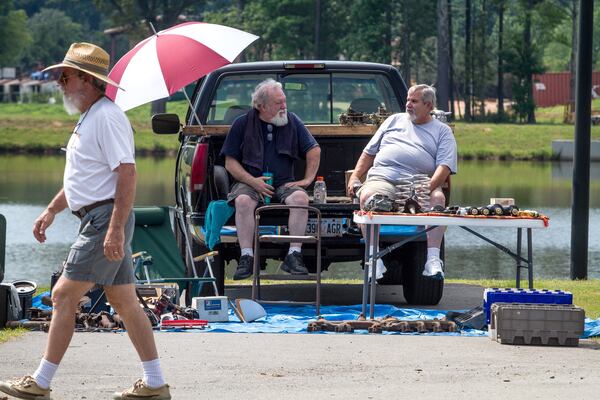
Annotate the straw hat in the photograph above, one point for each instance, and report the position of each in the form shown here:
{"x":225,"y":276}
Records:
{"x":88,"y":58}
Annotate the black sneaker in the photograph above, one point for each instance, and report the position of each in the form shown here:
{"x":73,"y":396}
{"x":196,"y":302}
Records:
{"x":293,"y":264}
{"x":244,"y":268}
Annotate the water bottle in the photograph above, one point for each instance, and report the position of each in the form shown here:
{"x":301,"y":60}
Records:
{"x":269,"y":181}
{"x":320,"y":191}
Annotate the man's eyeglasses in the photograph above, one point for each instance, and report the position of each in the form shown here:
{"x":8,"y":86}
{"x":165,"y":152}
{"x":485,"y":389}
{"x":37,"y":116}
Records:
{"x":64,"y":79}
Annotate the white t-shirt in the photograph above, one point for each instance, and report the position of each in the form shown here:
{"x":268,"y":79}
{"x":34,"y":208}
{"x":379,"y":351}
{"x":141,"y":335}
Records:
{"x":402,"y":148}
{"x":100,"y":142}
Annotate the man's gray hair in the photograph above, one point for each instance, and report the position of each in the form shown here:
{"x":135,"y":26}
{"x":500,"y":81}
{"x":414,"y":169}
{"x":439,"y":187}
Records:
{"x":428,"y":93}
{"x":99,"y":84}
{"x":260,"y":96}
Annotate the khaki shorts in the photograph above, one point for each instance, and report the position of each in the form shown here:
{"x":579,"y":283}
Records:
{"x":281,"y":193}
{"x":377,"y":185}
{"x":381,"y":186}
{"x":86,"y":261}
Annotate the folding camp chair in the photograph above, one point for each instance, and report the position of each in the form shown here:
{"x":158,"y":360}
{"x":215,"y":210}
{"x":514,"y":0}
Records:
{"x":153,"y":235}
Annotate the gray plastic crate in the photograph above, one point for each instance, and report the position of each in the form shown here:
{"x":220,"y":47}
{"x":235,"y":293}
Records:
{"x":537,"y":324}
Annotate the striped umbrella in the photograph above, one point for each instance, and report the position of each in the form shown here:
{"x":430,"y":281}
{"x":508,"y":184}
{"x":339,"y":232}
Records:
{"x":162,"y":64}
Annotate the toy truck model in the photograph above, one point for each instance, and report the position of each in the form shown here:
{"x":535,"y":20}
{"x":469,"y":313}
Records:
{"x":321,"y":93}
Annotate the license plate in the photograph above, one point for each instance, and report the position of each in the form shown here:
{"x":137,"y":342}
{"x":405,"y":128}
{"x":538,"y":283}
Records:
{"x":330,"y":227}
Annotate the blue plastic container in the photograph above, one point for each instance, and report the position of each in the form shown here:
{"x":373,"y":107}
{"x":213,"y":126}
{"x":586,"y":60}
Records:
{"x":532,"y":296}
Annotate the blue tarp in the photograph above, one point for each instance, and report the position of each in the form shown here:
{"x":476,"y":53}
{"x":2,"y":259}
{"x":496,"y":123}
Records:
{"x":294,"y":319}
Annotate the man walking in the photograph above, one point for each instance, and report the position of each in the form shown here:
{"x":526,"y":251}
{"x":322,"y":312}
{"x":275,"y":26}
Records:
{"x":99,"y":188}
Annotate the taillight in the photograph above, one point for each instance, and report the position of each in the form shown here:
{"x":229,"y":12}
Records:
{"x":199,"y":167}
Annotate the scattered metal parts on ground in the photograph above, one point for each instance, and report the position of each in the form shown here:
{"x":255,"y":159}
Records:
{"x":31,"y":325}
{"x":389,"y":324}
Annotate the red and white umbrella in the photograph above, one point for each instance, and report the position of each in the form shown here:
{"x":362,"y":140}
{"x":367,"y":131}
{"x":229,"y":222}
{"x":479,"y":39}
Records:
{"x":162,"y":64}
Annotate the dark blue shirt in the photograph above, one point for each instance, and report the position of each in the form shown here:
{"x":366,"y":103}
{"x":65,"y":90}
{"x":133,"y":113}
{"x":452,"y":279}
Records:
{"x":280,"y":165}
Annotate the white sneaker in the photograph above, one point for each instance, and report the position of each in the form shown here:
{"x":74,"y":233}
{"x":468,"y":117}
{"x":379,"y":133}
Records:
{"x":380,"y":269}
{"x":434,"y":268}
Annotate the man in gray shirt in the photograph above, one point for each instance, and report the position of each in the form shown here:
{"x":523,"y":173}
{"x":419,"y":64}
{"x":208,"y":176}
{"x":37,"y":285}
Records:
{"x":404,"y":145}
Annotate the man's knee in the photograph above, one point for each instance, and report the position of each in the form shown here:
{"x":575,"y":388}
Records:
{"x":121,"y":297}
{"x":67,"y":293}
{"x":437,"y":197}
{"x":298,"y":198}
{"x":245,"y":203}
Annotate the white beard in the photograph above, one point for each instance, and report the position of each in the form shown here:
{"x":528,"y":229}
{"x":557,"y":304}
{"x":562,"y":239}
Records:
{"x":412,"y":116}
{"x":71,"y":104}
{"x":280,"y":120}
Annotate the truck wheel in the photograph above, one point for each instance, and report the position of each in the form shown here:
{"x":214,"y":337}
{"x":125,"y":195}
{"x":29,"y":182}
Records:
{"x":311,"y":265}
{"x":417,"y":288}
{"x":393,"y":266}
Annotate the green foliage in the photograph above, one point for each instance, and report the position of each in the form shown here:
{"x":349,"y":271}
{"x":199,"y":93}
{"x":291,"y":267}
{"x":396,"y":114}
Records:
{"x":52,"y":32}
{"x":369,"y":39}
{"x":14,"y":36}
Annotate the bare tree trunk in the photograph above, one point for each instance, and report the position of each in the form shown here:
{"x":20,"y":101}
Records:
{"x":572,"y":60}
{"x":482,"y":58}
{"x":442,"y":55}
{"x":318,"y":29}
{"x":405,"y":58}
{"x":500,"y":84}
{"x":388,"y":34}
{"x":450,"y":58}
{"x":240,"y":18}
{"x":468,"y":76}
{"x":528,"y":76}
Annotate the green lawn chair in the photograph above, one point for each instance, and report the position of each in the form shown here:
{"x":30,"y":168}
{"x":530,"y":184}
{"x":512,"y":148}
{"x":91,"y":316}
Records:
{"x":153,"y":235}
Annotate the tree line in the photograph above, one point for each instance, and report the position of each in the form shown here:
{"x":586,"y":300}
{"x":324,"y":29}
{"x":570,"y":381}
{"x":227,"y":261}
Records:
{"x":471,"y":50}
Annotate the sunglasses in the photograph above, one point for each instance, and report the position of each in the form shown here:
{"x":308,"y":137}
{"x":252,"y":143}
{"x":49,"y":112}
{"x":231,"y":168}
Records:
{"x":64,"y":79}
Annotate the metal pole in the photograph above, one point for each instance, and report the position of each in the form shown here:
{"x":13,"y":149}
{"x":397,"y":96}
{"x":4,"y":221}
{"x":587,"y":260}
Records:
{"x":581,"y":156}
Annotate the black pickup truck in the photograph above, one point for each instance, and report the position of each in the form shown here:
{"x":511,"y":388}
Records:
{"x":318,"y":92}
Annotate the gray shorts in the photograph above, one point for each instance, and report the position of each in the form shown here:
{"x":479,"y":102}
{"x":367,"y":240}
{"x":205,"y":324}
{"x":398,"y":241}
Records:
{"x":86,"y":261}
{"x":281,"y":193}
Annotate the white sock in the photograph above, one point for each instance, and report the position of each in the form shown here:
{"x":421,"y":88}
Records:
{"x":44,"y":374}
{"x":247,"y":251}
{"x":153,"y":376}
{"x":293,"y":249}
{"x":433,"y":252}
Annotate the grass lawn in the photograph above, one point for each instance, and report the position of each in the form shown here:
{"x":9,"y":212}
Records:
{"x":45,"y":128}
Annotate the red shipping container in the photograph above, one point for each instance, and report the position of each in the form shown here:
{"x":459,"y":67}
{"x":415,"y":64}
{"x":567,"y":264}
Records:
{"x":553,"y":89}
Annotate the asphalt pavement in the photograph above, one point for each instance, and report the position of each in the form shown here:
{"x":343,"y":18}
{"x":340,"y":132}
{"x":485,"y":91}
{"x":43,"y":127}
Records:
{"x":209,"y":365}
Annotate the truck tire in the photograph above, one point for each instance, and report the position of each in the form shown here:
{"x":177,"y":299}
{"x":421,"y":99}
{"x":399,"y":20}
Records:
{"x":311,"y":264}
{"x":418,"y":289}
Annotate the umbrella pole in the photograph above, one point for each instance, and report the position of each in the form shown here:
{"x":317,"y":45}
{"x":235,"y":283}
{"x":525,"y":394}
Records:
{"x":191,"y":107}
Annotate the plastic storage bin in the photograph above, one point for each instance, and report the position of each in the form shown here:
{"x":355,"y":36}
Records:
{"x":532,"y":296}
{"x":537,"y":324}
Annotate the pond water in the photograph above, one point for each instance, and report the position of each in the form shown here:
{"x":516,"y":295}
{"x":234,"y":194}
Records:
{"x":27,"y":183}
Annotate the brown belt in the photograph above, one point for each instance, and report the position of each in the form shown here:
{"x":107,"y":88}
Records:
{"x":84,"y":210}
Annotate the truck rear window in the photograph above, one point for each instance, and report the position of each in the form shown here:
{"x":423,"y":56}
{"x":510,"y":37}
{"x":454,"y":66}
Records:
{"x":317,"y":98}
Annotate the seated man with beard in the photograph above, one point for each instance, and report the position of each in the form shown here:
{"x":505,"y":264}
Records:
{"x":269,"y":139}
{"x":407,"y":144}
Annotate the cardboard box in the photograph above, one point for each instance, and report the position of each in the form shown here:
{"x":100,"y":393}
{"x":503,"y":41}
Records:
{"x":503,"y":201}
{"x":151,"y":292}
{"x":212,"y":308}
